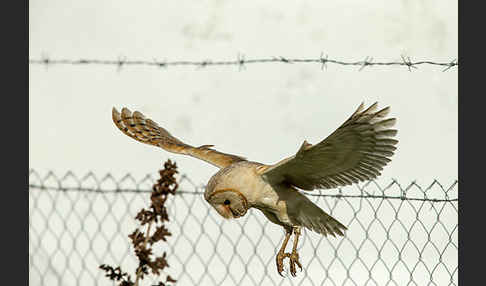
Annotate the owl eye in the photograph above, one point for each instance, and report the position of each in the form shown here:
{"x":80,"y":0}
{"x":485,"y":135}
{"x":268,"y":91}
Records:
{"x":226,"y":202}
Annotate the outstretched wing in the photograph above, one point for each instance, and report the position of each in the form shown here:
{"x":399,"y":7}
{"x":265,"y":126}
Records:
{"x":357,"y":151}
{"x":147,"y":131}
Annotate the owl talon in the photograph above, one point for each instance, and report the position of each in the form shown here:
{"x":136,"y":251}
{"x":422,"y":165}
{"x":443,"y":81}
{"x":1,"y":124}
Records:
{"x":294,"y":259}
{"x":279,"y":260}
{"x":281,"y":253}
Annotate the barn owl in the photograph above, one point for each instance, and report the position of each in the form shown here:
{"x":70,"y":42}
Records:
{"x":356,"y":151}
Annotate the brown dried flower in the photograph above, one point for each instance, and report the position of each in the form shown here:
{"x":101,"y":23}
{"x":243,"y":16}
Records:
{"x":143,"y":241}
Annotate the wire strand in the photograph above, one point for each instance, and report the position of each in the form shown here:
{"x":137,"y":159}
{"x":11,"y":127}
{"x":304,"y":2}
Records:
{"x":241,"y":62}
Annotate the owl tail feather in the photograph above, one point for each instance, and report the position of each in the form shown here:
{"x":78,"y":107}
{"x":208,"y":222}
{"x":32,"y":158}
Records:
{"x":315,"y":219}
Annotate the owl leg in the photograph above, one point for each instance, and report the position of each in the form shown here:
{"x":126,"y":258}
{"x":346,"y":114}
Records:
{"x":281,"y":253}
{"x":294,"y":256}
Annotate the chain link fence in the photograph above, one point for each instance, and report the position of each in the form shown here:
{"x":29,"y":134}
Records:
{"x":397,"y":235}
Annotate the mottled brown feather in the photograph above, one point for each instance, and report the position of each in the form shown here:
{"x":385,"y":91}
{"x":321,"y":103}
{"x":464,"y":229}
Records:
{"x":144,"y":130}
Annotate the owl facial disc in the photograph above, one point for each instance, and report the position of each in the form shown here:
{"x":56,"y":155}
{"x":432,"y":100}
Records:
{"x":229,"y":203}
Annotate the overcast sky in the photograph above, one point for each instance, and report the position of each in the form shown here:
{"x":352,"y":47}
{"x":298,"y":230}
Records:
{"x":263,"y":112}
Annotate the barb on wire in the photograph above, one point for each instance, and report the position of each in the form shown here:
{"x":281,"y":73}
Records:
{"x":368,"y":61}
{"x":284,"y":60}
{"x":323,"y":61}
{"x":241,"y":62}
{"x":159,"y":64}
{"x":453,"y":63}
{"x":121,"y":61}
{"x":409,"y":63}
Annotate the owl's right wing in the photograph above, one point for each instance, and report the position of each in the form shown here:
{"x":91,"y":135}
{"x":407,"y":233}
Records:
{"x":357,"y":151}
{"x":144,"y":130}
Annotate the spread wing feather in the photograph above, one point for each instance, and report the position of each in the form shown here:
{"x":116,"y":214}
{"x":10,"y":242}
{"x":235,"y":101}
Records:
{"x":357,"y":151}
{"x":144,"y":130}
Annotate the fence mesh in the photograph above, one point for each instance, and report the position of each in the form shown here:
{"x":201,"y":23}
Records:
{"x":397,"y":235}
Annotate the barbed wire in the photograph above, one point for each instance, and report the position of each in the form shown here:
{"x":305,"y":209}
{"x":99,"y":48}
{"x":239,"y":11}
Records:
{"x":241,"y":62}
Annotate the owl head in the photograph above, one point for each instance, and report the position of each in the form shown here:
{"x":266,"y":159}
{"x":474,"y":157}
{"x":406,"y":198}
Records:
{"x":226,"y":193}
{"x":228,"y":203}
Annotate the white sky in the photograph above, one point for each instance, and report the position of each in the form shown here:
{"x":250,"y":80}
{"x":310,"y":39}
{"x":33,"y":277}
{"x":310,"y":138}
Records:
{"x":263,"y":112}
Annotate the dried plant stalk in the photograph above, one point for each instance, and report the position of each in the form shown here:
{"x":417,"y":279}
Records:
{"x":142,"y":242}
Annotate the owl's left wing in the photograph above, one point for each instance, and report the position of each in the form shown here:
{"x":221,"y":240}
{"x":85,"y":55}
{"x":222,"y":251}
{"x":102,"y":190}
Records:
{"x":147,"y":131}
{"x":357,"y":151}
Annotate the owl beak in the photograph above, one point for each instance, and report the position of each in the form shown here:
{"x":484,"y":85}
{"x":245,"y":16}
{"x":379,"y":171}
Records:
{"x":225,"y":211}
{"x":236,"y":213}
{"x":233,"y":214}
